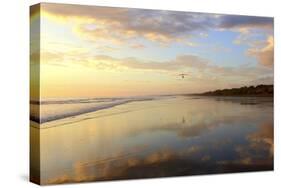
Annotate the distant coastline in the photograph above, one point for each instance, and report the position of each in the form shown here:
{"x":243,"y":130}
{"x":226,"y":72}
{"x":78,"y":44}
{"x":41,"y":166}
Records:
{"x":247,"y":91}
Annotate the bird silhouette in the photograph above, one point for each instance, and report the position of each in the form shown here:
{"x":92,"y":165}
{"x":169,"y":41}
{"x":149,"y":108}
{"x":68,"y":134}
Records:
{"x":183,"y":75}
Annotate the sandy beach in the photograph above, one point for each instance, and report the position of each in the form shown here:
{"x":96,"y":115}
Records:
{"x":173,"y":136}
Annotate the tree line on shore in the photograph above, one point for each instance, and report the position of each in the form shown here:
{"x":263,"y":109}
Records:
{"x":259,"y":90}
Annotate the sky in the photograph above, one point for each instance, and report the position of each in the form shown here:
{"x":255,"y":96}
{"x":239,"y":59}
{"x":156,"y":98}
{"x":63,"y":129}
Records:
{"x":93,"y":51}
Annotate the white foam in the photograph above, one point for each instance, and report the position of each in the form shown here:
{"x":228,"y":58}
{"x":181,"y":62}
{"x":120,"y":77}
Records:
{"x":51,"y":110}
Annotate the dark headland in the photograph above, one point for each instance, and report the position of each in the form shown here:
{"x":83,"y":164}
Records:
{"x":255,"y":91}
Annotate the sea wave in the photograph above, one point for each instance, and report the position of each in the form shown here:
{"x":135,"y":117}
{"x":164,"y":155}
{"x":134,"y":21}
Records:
{"x":51,"y":110}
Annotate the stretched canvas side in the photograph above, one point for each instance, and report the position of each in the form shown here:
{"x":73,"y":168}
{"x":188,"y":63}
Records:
{"x":35,"y":94}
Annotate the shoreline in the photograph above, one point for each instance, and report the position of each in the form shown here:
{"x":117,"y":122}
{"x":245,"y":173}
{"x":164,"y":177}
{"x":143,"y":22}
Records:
{"x":36,"y":123}
{"x":41,"y":120}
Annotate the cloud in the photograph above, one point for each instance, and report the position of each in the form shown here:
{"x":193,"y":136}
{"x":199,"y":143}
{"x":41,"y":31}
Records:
{"x":267,"y":80}
{"x":200,"y":70}
{"x":179,"y":63}
{"x":84,"y":58}
{"x":97,"y":23}
{"x":137,"y":46}
{"x":251,"y":29}
{"x":254,"y":32}
{"x":246,"y":22}
{"x":127,"y":25}
{"x":264,"y":55}
{"x":66,"y":12}
{"x":196,"y":66}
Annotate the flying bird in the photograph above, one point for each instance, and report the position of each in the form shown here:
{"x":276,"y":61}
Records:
{"x":183,"y":75}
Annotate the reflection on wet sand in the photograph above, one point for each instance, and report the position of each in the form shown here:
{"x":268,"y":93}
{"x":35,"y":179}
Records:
{"x":172,"y":137}
{"x":263,"y":138}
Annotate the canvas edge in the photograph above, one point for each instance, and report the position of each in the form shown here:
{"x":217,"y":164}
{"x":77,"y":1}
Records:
{"x":34,"y":137}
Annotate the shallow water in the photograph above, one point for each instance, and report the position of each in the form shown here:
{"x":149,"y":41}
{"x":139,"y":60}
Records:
{"x":175,"y":136}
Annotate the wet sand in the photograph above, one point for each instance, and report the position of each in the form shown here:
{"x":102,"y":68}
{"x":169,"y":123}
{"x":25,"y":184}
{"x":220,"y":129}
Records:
{"x":174,"y":136}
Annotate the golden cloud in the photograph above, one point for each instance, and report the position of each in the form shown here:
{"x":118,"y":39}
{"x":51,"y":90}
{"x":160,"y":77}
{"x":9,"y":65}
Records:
{"x":200,"y":69}
{"x":264,"y":55}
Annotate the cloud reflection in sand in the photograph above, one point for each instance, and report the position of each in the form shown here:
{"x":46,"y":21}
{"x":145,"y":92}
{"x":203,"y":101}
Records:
{"x":172,"y":138}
